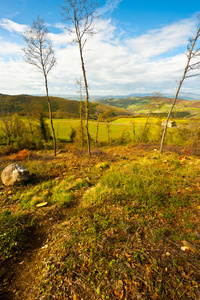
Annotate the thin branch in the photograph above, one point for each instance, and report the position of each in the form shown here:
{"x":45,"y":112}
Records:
{"x":193,"y":75}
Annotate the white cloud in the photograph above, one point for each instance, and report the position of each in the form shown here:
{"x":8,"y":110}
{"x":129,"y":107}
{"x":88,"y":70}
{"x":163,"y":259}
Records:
{"x":159,"y":41}
{"x":8,"y":48}
{"x":109,"y":6}
{"x":61,"y":39}
{"x":12,"y":26}
{"x":114,"y":65}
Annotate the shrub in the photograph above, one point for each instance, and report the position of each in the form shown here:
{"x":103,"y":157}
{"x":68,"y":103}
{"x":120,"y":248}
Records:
{"x":21,"y":155}
{"x":5,"y":150}
{"x":73,"y":134}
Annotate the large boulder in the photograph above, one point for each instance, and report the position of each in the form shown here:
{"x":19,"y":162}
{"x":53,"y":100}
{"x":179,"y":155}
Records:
{"x":13,"y":174}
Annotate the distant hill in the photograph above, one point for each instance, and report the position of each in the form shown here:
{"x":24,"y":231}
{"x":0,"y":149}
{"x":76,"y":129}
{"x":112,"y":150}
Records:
{"x":62,"y":108}
{"x":65,"y":108}
{"x":140,"y":105}
{"x":182,"y":95}
{"x":124,"y":102}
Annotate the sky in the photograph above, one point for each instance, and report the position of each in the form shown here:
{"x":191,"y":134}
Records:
{"x":140,"y":47}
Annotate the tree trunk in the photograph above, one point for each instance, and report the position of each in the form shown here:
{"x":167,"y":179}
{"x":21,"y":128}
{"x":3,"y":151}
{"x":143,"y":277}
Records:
{"x":50,"y":114}
{"x":177,"y":92}
{"x":169,"y":114}
{"x":86,"y":98}
{"x":81,"y":121}
{"x":97,"y":133}
{"x":141,"y":139}
{"x":108,"y":131}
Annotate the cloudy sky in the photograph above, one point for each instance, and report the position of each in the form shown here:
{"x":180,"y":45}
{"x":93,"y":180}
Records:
{"x":140,"y":48}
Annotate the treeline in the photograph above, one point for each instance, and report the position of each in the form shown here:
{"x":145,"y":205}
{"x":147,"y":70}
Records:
{"x":23,"y":123}
{"x":31,"y":132}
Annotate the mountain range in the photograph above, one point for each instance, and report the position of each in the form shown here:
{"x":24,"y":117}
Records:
{"x":182,"y":95}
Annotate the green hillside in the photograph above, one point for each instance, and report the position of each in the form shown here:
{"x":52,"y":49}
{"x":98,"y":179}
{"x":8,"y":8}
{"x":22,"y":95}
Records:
{"x":142,"y":105}
{"x":25,"y":104}
{"x":125,"y":102}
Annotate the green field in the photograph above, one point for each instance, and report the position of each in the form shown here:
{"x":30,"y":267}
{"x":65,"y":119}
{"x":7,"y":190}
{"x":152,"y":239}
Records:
{"x":129,"y":129}
{"x":63,"y":127}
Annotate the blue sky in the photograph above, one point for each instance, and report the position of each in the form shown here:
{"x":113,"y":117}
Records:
{"x":140,"y":48}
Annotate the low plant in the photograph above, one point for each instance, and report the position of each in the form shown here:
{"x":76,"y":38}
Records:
{"x":14,"y":228}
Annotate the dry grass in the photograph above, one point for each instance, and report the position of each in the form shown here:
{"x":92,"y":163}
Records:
{"x":131,"y":212}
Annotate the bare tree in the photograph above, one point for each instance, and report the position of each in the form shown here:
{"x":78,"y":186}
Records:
{"x":155,"y":103}
{"x":133,"y":128}
{"x":80,"y":92}
{"x":192,"y":65}
{"x":40,"y":54}
{"x":107,"y":123}
{"x":79,"y":16}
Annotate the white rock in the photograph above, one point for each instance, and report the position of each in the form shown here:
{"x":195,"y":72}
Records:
{"x":14,"y":174}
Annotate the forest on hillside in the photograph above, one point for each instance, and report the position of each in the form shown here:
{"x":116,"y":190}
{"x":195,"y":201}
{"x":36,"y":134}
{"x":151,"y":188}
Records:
{"x":61,"y":108}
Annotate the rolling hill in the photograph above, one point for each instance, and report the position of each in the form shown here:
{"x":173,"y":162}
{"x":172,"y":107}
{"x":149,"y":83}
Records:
{"x":62,"y":108}
{"x":142,"y":105}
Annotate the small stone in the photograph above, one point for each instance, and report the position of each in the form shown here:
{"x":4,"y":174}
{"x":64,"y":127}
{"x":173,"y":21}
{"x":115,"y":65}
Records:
{"x":188,"y":246}
{"x":185,"y":248}
{"x":44,"y":247}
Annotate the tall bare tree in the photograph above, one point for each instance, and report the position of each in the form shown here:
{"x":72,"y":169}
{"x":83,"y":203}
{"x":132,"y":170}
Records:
{"x":39,"y":53}
{"x":193,"y":64}
{"x":80,"y":92}
{"x":79,"y":16}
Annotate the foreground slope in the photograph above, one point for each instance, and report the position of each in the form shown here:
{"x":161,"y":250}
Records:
{"x":114,"y":227}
